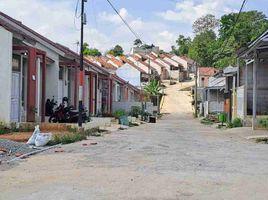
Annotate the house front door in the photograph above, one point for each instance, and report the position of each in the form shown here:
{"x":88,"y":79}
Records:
{"x":15,"y":98}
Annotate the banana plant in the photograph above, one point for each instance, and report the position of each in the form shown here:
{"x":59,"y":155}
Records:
{"x":153,"y":88}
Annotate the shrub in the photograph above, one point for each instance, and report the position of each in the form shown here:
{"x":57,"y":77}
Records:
{"x":206,"y":121}
{"x":135,"y":111}
{"x":119,"y":113}
{"x":67,"y":138}
{"x":13,"y":127}
{"x":263,"y":123}
{"x":237,"y":122}
{"x":4,"y":128}
{"x":74,"y":136}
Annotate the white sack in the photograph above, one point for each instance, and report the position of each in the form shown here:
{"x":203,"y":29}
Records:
{"x":42,"y":139}
{"x":31,"y":141}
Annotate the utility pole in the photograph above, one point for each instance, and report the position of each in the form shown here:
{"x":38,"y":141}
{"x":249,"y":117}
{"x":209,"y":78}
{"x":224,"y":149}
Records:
{"x":81,"y":74}
{"x":195,"y":90}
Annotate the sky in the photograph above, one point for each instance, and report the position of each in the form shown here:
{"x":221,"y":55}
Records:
{"x":157,"y":22}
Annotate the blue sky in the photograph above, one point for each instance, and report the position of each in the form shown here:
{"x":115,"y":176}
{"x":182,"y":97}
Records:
{"x":156,"y":21}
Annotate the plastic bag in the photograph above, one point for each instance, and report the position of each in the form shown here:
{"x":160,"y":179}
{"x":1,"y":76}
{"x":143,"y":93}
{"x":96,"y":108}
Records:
{"x":42,"y":139}
{"x":31,"y":140}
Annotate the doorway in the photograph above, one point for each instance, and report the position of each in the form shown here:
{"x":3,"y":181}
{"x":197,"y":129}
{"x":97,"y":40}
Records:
{"x":15,"y":98}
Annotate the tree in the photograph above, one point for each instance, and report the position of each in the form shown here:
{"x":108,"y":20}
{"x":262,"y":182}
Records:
{"x":116,"y":51}
{"x":205,"y":23}
{"x":249,"y":26}
{"x":220,"y":51}
{"x":90,"y":51}
{"x":137,"y":42}
{"x":184,"y":44}
{"x":203,"y":48}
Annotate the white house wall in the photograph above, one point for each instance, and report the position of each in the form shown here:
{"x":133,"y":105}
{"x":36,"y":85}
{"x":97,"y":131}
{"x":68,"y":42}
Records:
{"x":140,"y":65}
{"x":155,"y":66}
{"x":163,"y":63}
{"x":183,"y":62}
{"x":130,"y":74}
{"x":171,"y":61}
{"x":52,"y":76}
{"x":5,"y":74}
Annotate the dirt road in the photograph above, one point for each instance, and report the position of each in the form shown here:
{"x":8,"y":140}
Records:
{"x":177,"y":158}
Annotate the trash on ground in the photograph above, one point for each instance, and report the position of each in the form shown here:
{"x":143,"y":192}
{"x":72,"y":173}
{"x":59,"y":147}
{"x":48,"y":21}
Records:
{"x":59,"y":151}
{"x":42,"y":139}
{"x":31,"y":140}
{"x":39,"y":139}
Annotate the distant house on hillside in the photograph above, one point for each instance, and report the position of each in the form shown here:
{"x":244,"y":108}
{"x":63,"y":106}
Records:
{"x":145,"y":51}
{"x":203,"y":75}
{"x":213,"y":94}
{"x":131,"y":73}
{"x":187,"y":63}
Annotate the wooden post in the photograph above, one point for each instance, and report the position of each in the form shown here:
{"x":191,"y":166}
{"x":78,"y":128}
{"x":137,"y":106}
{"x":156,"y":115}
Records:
{"x":246,"y":93}
{"x":254,"y":104}
{"x":238,"y":72}
{"x":234,"y":98}
{"x":31,"y":85}
{"x":195,"y":92}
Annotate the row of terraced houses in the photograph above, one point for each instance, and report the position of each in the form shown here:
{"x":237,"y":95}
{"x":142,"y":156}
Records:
{"x":34,"y":69}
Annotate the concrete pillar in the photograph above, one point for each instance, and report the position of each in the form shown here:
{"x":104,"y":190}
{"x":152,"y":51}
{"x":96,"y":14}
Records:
{"x":116,"y":92}
{"x":5,"y":74}
{"x":76,"y":78}
{"x":238,"y":72}
{"x":38,"y":86}
{"x":110,"y":95}
{"x":234,"y":98}
{"x":254,"y":104}
{"x":91,"y":91}
{"x":87,"y":92}
{"x":246,"y":92}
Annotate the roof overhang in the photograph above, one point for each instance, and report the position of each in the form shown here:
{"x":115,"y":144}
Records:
{"x":18,"y":28}
{"x":260,"y":45}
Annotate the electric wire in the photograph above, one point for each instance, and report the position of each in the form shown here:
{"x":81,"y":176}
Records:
{"x":233,"y":27}
{"x":124,"y":21}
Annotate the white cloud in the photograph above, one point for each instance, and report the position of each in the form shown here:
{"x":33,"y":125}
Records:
{"x":54,"y":20}
{"x":113,"y":17}
{"x":187,"y":11}
{"x":150,"y":32}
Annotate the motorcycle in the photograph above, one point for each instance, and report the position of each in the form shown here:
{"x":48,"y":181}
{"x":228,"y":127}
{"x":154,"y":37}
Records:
{"x":67,"y":114}
{"x":50,"y":104}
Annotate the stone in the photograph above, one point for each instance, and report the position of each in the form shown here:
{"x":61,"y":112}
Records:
{"x":18,"y":154}
{"x":2,"y":152}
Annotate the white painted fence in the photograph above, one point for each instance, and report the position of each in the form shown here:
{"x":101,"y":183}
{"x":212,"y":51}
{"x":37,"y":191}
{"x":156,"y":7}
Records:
{"x":127,"y":106}
{"x":240,"y":103}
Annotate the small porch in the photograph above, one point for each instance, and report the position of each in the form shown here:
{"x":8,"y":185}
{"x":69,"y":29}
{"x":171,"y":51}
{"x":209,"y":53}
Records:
{"x":253,"y":85}
{"x":28,"y":84}
{"x":214,"y":100}
{"x":104,"y":96}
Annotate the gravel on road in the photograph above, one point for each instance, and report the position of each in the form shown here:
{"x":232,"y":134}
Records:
{"x":10,"y":149}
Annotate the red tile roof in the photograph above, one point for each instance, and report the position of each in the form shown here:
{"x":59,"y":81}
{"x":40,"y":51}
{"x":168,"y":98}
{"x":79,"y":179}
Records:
{"x":207,"y":71}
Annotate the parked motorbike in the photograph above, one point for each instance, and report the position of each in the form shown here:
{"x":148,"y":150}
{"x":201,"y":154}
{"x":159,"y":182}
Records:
{"x":50,"y":104}
{"x":67,"y":114}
